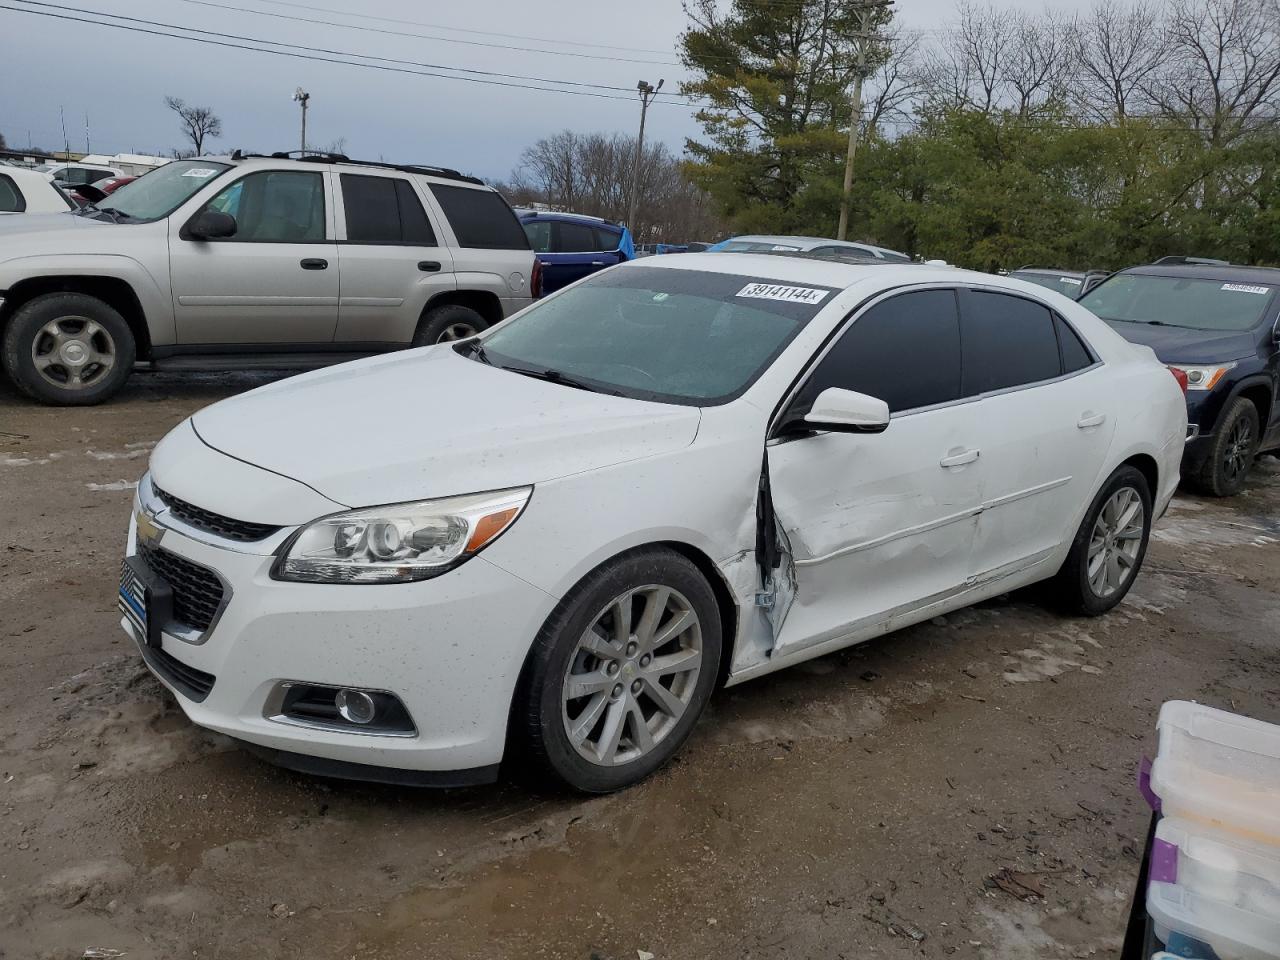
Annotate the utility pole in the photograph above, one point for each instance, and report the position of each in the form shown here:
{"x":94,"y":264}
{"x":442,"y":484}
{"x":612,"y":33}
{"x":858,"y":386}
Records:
{"x":863,"y":39}
{"x":301,"y":96}
{"x":647,"y":93}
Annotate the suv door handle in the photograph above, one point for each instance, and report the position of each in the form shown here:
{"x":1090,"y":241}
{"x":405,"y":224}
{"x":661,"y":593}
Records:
{"x":314,"y":263}
{"x":429,"y":266}
{"x":958,"y":458}
{"x":1091,"y":420}
{"x":597,"y":263}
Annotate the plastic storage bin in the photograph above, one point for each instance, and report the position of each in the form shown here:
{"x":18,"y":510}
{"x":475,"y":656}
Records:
{"x":1219,"y":769}
{"x":1217,"y":888}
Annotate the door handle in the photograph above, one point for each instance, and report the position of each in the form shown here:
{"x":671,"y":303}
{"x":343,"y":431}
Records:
{"x":1091,"y":420}
{"x":958,"y":458}
{"x":314,"y":263}
{"x":430,"y":266}
{"x":597,"y":263}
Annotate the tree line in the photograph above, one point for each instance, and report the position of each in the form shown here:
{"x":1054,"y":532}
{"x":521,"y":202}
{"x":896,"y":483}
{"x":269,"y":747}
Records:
{"x":1120,"y":135}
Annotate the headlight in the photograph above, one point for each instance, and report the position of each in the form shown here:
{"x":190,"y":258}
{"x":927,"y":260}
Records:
{"x":1202,"y":378}
{"x":400,"y":542}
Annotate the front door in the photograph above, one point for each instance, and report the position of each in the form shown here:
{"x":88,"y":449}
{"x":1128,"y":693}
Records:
{"x":577,"y":251}
{"x":880,"y":525}
{"x":275,"y":280}
{"x":1045,"y":430}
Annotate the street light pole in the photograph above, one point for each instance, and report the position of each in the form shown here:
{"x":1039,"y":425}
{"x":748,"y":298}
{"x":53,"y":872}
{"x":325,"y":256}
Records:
{"x":647,"y":93}
{"x":863,"y":40}
{"x":301,"y":96}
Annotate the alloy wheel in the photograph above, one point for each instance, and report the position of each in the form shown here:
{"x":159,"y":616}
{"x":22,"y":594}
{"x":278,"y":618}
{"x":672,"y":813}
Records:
{"x":1115,"y":542}
{"x":1239,"y":450}
{"x":632,"y":675}
{"x":457,"y":331}
{"x":73,"y":352}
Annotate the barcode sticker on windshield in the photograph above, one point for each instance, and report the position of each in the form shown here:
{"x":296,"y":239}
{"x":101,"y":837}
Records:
{"x":1071,"y":280}
{"x":772,"y":291}
{"x":200,"y":172}
{"x":1246,"y":288}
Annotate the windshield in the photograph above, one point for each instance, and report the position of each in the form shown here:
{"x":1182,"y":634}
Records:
{"x":1067,"y":286}
{"x":162,"y":190}
{"x":1179,"y":302}
{"x":680,"y":336}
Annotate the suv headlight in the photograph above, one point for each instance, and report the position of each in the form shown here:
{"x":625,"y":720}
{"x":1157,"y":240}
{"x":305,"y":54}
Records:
{"x":1202,"y":377}
{"x":400,"y":542}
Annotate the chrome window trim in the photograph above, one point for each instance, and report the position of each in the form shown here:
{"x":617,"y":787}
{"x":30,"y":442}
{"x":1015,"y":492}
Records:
{"x":852,"y":318}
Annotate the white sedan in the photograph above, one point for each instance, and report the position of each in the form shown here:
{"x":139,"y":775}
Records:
{"x":30,"y":191}
{"x":548,"y":545}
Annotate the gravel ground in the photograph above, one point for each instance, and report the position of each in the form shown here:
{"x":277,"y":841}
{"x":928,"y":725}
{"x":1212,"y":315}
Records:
{"x":961,"y":789}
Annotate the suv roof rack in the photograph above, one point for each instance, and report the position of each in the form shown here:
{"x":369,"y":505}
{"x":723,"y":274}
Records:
{"x":322,"y":156}
{"x":1200,"y":261}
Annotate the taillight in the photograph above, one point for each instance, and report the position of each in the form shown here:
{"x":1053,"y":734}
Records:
{"x":1181,"y":377}
{"x":535,"y":284}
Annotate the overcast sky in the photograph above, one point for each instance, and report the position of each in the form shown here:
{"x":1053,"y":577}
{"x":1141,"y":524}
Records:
{"x":120,"y":78}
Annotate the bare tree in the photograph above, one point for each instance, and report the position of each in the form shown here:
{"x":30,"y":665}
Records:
{"x":892,"y":89}
{"x":198,"y":123}
{"x":968,"y":68}
{"x":1117,"y":52}
{"x":1036,"y":66}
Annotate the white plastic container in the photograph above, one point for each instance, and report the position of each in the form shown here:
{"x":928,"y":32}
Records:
{"x":1226,"y":892}
{"x":1218,"y":769}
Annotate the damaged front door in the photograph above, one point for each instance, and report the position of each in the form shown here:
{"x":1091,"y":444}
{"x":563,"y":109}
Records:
{"x":879,"y":525}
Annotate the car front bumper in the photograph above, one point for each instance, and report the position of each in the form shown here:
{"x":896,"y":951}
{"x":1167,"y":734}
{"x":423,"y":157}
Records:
{"x":450,"y":648}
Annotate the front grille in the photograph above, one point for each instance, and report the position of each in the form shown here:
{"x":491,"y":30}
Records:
{"x":197,"y":591}
{"x":194,"y":683}
{"x":241,"y":530}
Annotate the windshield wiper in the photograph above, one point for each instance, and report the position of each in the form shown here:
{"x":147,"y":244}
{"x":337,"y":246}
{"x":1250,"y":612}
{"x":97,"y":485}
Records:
{"x":476,"y":350}
{"x":563,"y":379}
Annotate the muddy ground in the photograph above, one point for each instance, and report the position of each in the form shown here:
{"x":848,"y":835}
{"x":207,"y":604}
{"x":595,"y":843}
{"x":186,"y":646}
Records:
{"x":961,"y":789}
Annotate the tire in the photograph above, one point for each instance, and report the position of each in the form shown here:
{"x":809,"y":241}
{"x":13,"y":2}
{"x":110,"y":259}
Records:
{"x":1073,"y":589}
{"x":446,"y":323}
{"x":616,"y":681}
{"x":1231,"y":454}
{"x":90,"y":362}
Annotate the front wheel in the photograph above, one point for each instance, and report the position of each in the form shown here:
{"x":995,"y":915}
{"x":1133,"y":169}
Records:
{"x":1109,"y":547}
{"x":620,"y":673}
{"x":69,"y":349}
{"x":1231,"y":453}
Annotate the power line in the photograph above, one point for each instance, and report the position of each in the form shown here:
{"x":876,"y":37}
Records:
{"x":311,"y":53}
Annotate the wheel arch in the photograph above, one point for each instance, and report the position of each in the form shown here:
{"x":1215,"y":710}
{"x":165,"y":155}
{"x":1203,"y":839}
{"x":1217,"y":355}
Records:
{"x":1148,"y":467}
{"x":481,"y":301}
{"x":117,"y":293}
{"x":1257,"y":390}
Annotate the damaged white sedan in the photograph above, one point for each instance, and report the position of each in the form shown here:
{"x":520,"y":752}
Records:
{"x":548,"y":545}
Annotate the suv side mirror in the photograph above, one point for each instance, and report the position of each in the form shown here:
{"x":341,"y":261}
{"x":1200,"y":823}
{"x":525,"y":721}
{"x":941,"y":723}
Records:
{"x":212,"y":225}
{"x":846,"y":411}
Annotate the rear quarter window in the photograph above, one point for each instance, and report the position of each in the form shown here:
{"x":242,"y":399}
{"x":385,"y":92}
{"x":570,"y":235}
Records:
{"x":11,"y":198}
{"x":480,"y":218}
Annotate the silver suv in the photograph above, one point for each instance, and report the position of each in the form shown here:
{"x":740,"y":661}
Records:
{"x":254,"y":262}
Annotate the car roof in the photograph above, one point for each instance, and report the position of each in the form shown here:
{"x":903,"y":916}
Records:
{"x":318,"y":160}
{"x":1202,"y":271}
{"x":26,"y":173}
{"x":524,"y":213}
{"x":1050,"y":272}
{"x":785,"y":268}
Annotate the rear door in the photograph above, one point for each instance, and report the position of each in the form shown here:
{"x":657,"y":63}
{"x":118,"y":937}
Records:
{"x":392,"y":261}
{"x":1045,"y":430}
{"x":577,"y":250}
{"x":275,"y":280}
{"x":881,"y":524}
{"x":491,"y":254}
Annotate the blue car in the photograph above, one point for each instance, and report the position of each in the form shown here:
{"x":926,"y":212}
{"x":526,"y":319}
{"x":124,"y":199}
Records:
{"x":572,"y":245}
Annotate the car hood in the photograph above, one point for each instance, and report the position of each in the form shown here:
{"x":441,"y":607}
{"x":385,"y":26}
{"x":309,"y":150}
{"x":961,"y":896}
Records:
{"x":1180,"y":345}
{"x":429,"y":423}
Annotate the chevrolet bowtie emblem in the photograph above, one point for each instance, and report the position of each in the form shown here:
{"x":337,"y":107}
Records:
{"x":148,"y":530}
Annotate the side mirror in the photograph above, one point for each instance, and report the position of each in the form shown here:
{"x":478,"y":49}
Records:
{"x":846,"y":411}
{"x":212,"y":225}
{"x":91,"y":193}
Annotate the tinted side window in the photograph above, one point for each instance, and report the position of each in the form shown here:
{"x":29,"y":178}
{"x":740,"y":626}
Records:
{"x":11,"y":199}
{"x":904,"y":350}
{"x":275,"y":206}
{"x":1008,"y":342}
{"x":607,"y":239}
{"x":1075,"y":355}
{"x":480,"y":218}
{"x":415,"y":228}
{"x":539,"y":234}
{"x":575,"y":238}
{"x":372,"y":213}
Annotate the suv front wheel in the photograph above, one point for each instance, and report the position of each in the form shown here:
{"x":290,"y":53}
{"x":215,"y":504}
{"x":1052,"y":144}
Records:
{"x":69,"y":349}
{"x":1232,"y":452}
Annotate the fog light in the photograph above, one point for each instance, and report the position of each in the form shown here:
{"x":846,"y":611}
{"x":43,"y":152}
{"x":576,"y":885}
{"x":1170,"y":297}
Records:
{"x":355,"y":706}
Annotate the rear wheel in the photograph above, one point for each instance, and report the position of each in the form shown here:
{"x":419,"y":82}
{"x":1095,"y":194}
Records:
{"x":446,"y":323}
{"x":1231,"y":453}
{"x":1109,"y":547}
{"x":620,"y":673}
{"x":68,"y":349}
